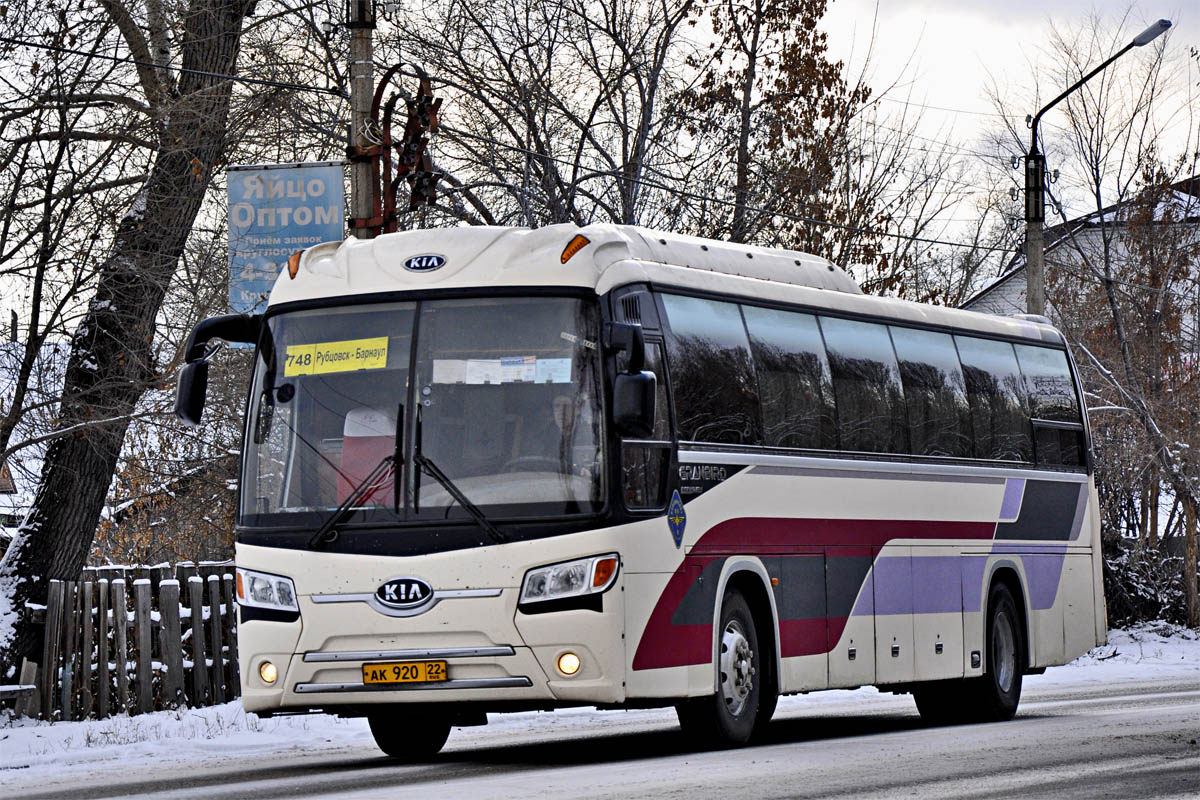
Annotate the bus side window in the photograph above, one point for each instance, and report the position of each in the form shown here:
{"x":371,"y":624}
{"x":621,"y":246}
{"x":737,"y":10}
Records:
{"x":999,"y":403}
{"x":939,"y":417}
{"x":712,"y":375}
{"x":866,"y":385}
{"x":644,"y":463}
{"x":794,"y":382}
{"x":1057,"y":424}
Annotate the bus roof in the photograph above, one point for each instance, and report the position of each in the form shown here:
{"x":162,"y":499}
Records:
{"x":614,"y":255}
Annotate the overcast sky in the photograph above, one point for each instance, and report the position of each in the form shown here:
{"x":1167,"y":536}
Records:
{"x":955,"y":48}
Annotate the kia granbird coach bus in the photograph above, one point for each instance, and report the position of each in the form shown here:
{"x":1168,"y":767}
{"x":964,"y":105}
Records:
{"x":495,"y":469}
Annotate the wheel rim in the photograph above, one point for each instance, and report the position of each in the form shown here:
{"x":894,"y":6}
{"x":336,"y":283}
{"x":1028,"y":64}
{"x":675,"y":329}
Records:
{"x":737,"y":668}
{"x":1004,"y":652}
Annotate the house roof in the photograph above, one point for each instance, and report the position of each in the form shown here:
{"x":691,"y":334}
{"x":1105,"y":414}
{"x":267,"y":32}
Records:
{"x":1181,"y":199}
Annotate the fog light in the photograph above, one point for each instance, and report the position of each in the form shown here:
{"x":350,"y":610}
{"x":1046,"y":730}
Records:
{"x":568,"y":663}
{"x":268,"y":672}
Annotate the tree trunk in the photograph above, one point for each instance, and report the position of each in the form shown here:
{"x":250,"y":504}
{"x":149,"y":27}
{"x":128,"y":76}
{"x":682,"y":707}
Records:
{"x":1189,"y":563}
{"x":111,"y":362}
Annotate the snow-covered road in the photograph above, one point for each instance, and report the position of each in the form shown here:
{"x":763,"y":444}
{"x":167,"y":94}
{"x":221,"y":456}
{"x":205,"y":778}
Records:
{"x":1123,"y":722}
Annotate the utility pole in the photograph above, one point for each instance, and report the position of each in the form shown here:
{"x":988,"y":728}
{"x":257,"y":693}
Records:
{"x":1035,"y":181}
{"x":360,"y":20}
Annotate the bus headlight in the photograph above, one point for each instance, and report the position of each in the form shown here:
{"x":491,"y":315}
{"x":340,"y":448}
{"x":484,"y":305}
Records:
{"x":263,"y":590}
{"x":592,"y":575}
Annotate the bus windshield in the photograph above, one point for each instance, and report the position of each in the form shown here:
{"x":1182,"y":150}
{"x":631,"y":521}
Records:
{"x":500,"y":395}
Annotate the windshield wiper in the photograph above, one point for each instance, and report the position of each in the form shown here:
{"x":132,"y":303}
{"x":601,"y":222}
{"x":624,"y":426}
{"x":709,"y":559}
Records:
{"x":423,"y":464}
{"x":322,"y":536}
{"x":491,"y":530}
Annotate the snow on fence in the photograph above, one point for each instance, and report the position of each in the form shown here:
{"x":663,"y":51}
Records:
{"x":129,"y":640}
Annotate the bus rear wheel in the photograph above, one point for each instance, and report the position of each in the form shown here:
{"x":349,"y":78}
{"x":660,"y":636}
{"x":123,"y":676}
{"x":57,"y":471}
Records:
{"x":728,"y":718}
{"x":995,"y":696}
{"x":409,"y":735}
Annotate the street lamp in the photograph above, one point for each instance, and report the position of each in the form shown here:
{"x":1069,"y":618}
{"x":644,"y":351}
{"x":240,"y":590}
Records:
{"x":1035,"y":180}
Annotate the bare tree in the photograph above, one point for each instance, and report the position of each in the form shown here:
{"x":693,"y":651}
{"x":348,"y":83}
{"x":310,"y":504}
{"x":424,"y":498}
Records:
{"x":111,"y":361}
{"x":1123,"y":279}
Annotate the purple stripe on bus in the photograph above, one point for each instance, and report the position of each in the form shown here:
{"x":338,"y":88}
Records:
{"x":918,"y":585}
{"x":1043,"y":570}
{"x":971,"y":570}
{"x":1014,"y":489}
{"x":893,"y":585}
{"x":865,"y":605}
{"x":946,"y":584}
{"x":936,"y":585}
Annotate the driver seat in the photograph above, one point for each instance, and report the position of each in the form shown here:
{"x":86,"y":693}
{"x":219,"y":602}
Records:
{"x":368,"y":436}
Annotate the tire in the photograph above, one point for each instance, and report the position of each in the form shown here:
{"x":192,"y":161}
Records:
{"x":941,"y":702}
{"x":995,"y":696}
{"x":407,"y":735}
{"x":729,"y":717}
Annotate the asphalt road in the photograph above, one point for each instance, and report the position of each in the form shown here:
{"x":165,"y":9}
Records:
{"x":1126,"y":741}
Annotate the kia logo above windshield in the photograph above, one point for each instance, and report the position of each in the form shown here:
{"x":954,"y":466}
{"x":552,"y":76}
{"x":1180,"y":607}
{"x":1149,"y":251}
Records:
{"x":426,"y":263}
{"x":404,"y":593}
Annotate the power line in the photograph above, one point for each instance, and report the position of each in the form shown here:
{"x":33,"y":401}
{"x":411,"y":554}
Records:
{"x":942,"y":108}
{"x":613,"y":173}
{"x":731,"y":203}
{"x":119,"y":60}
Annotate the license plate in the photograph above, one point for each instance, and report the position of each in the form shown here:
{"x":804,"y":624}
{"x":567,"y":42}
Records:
{"x":405,"y":672}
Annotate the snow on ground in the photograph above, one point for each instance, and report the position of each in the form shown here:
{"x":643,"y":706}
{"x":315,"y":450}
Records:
{"x":192,"y":737}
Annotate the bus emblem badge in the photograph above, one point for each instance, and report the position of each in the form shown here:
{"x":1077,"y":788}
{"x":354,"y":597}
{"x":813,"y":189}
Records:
{"x":425,"y":263}
{"x":404,"y":593}
{"x":676,"y":518}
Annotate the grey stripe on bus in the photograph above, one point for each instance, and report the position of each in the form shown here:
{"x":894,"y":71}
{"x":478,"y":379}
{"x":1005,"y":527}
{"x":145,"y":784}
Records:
{"x":804,"y":465}
{"x":1049,"y":513}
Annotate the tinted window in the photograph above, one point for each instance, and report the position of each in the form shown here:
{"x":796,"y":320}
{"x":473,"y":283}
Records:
{"x":1048,"y":382}
{"x":996,"y":393}
{"x":794,"y":383}
{"x":935,"y":395}
{"x":866,"y":385}
{"x":1057,"y":447}
{"x":644,"y":464}
{"x":716,"y":397}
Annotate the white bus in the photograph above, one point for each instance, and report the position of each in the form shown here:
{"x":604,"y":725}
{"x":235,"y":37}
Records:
{"x":497,"y":469}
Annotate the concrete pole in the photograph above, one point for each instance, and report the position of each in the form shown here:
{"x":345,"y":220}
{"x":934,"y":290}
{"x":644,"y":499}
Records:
{"x":1035,"y":220}
{"x":1035,"y":179}
{"x":360,"y":19}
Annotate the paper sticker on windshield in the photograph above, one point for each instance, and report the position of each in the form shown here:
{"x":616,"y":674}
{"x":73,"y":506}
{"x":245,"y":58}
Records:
{"x":347,"y":356}
{"x":553,"y":370}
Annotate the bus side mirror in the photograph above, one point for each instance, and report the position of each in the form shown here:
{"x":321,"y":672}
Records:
{"x":621,"y":337}
{"x":633,"y":404}
{"x":189,"y":396}
{"x":193,"y":378}
{"x":633,"y":389}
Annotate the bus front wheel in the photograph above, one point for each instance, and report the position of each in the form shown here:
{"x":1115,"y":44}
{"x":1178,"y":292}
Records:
{"x":409,"y":735}
{"x":727,"y":718}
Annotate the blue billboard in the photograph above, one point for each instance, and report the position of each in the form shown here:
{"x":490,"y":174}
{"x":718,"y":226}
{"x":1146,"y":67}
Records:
{"x":275,"y":211}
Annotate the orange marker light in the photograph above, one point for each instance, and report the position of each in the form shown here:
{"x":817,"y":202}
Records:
{"x":293,"y":265}
{"x":605,"y":568}
{"x":574,"y":246}
{"x":241,"y":592}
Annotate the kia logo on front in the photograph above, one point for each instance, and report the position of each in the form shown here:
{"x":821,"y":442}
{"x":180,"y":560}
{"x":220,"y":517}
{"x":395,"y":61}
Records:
{"x":404,"y":592}
{"x":426,"y":263}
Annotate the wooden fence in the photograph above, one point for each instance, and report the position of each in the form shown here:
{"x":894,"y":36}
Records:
{"x":129,"y":640}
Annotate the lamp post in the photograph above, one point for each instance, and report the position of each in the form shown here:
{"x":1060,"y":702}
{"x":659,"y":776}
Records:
{"x":1035,"y":180}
